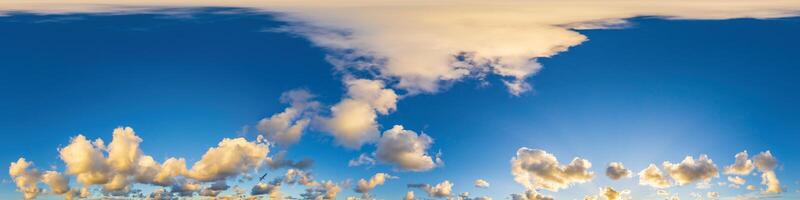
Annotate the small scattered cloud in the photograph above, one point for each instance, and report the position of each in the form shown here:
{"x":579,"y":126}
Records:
{"x":616,"y":171}
{"x":538,"y":169}
{"x":480,"y":183}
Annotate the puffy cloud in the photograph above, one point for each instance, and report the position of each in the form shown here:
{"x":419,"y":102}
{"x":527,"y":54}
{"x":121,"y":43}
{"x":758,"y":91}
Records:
{"x":652,"y":176}
{"x":353,"y":123}
{"x":231,"y":157}
{"x":616,"y":171}
{"x":85,"y":161}
{"x":742,"y":165}
{"x":409,"y":195}
{"x":736,"y":180}
{"x":441,"y":190}
{"x":691,"y":170}
{"x":287,"y":127}
{"x":610,"y":194}
{"x":480,"y":183}
{"x":766,"y":163}
{"x":531,"y":195}
{"x":769,"y":179}
{"x":751,"y":187}
{"x":364,"y":186}
{"x":322,"y":190}
{"x":712,"y":195}
{"x":537,"y":169}
{"x":406,"y":150}
{"x":25,"y":177}
{"x":58,"y":183}
{"x":362,"y":159}
{"x":123,"y":151}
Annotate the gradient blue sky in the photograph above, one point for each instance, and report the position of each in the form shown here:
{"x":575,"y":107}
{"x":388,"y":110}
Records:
{"x":656,"y":91}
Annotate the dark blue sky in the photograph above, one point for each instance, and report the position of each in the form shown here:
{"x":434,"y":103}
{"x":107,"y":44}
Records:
{"x":659,"y":90}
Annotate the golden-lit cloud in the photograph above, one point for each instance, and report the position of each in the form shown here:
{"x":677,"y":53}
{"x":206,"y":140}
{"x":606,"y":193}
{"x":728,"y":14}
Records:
{"x":440,"y":190}
{"x":616,"y":171}
{"x":480,"y":183}
{"x":652,"y":176}
{"x":690,"y":170}
{"x":538,"y":169}
{"x":406,"y":150}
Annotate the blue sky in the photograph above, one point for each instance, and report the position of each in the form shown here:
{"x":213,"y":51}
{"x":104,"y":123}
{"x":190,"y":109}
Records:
{"x":656,"y":91}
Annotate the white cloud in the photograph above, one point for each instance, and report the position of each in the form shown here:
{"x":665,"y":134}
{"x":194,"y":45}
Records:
{"x":616,"y":171}
{"x":480,"y":183}
{"x":364,"y":186}
{"x":742,"y":165}
{"x":712,"y":195}
{"x":230,"y":158}
{"x":531,"y":195}
{"x":609,"y":193}
{"x":662,"y":193}
{"x":287,"y":127}
{"x":690,"y":170}
{"x":441,"y":190}
{"x":736,"y":180}
{"x":353,"y":119}
{"x":406,"y":150}
{"x":409,"y":195}
{"x":537,"y":169}
{"x":766,"y":163}
{"x":25,"y":177}
{"x":653,"y":177}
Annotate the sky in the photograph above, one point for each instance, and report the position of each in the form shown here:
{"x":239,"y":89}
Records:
{"x":539,"y":111}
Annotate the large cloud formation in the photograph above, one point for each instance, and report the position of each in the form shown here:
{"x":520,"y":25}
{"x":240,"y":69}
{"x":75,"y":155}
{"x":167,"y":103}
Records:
{"x":423,"y":46}
{"x":120,"y":164}
{"x":537,"y":169}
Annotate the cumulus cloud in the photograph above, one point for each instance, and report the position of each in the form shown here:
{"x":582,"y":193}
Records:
{"x":766,"y":163}
{"x":364,"y":186}
{"x":742,"y":165}
{"x":653,"y":177}
{"x":616,"y":171}
{"x":286,"y":128}
{"x":409,"y":195}
{"x":609,"y":193}
{"x":25,"y":177}
{"x":353,"y":123}
{"x":480,"y":183}
{"x":441,"y":190}
{"x":537,"y":169}
{"x":690,"y":170}
{"x":531,"y":195}
{"x":406,"y":150}
{"x":712,"y":195}
{"x":231,"y":157}
{"x":736,"y":180}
